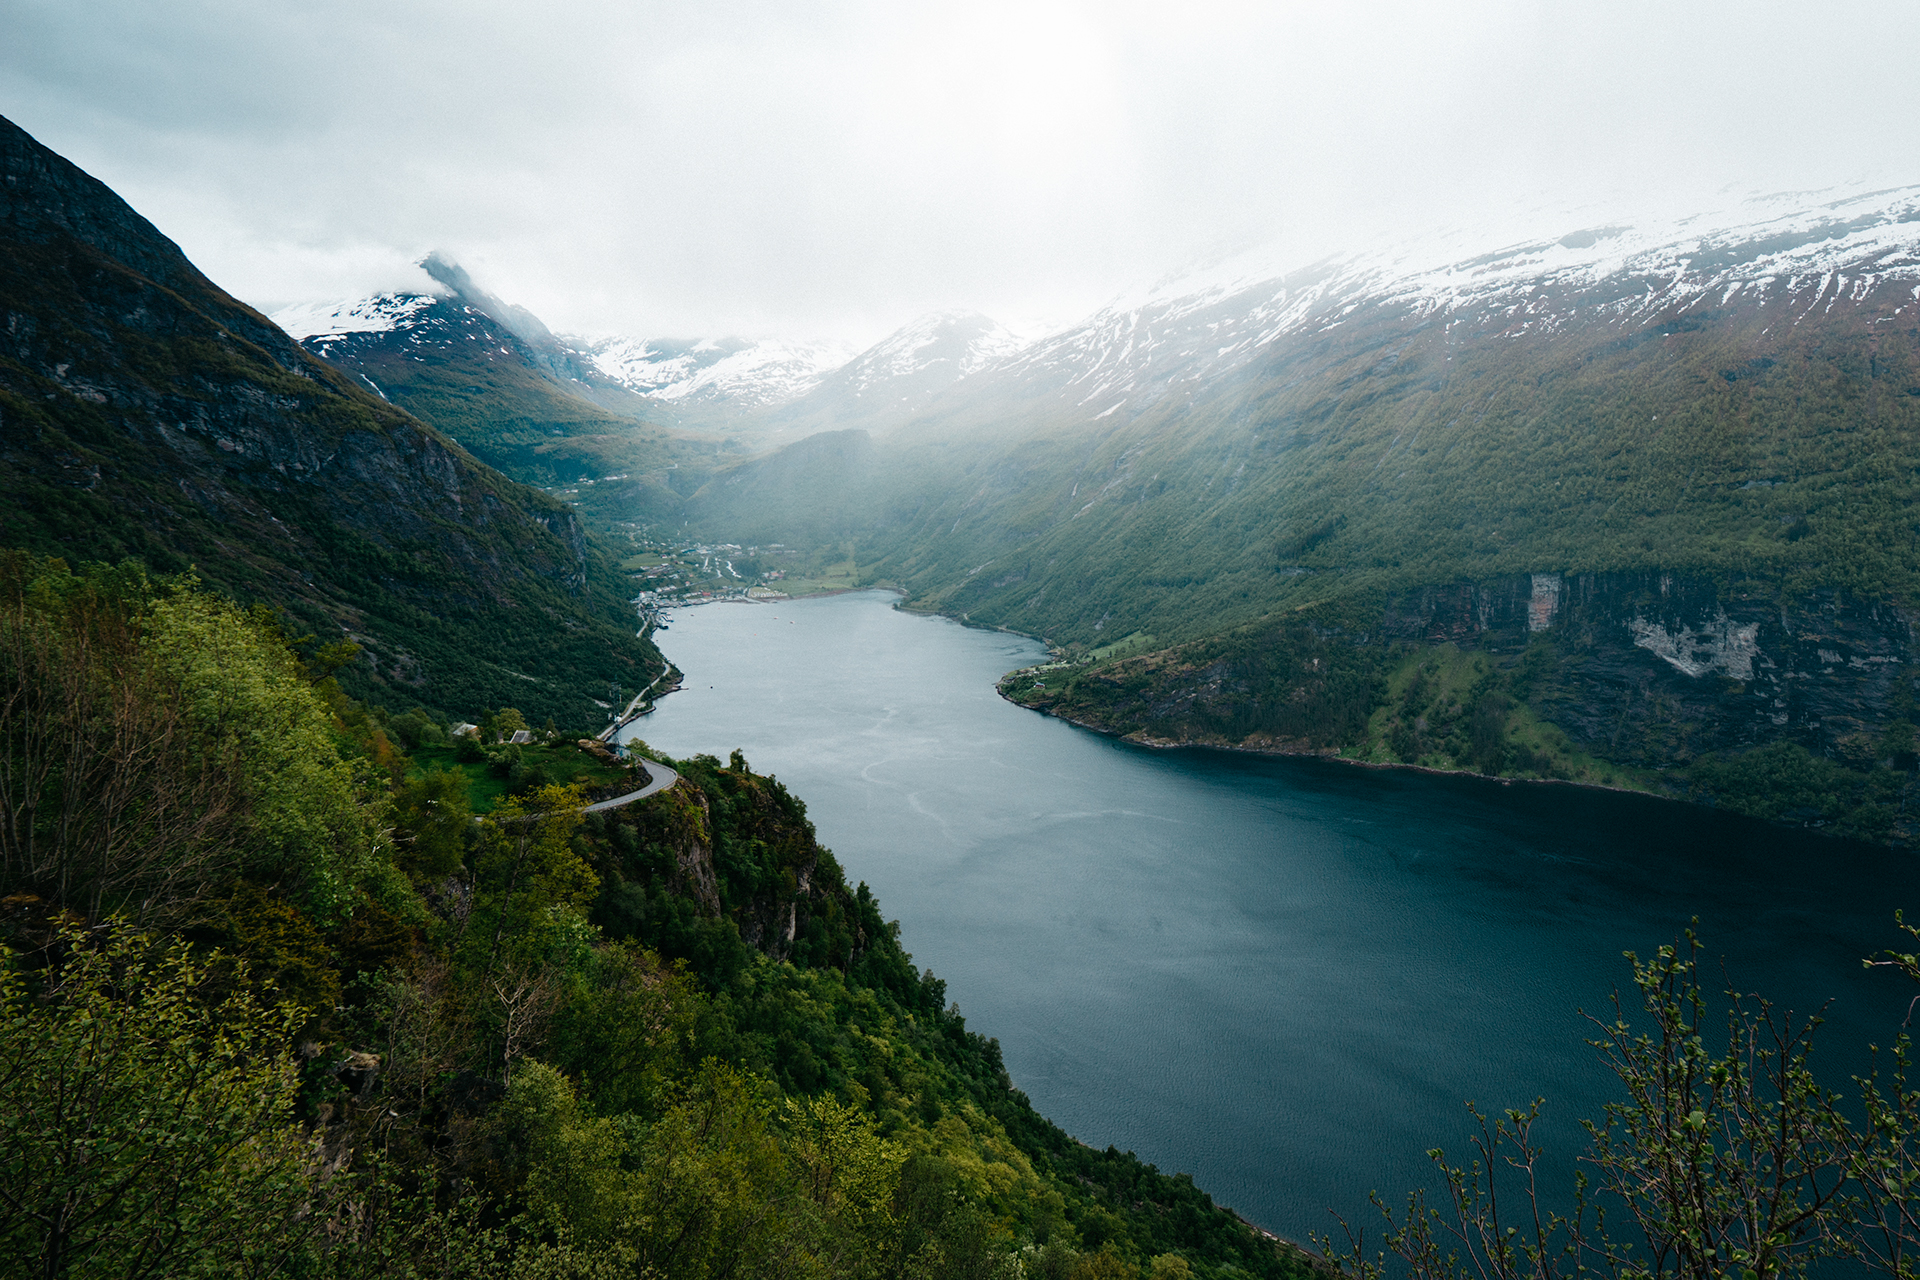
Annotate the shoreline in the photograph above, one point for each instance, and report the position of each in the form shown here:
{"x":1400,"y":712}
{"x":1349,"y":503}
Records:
{"x":1329,"y":755}
{"x":783,"y":599}
{"x":1163,"y":744}
{"x":1332,"y":756}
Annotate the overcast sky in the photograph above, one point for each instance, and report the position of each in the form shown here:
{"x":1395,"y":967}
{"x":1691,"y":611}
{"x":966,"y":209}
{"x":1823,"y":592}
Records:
{"x":835,"y":169}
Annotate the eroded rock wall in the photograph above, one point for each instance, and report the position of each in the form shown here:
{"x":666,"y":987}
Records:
{"x":1652,"y":669}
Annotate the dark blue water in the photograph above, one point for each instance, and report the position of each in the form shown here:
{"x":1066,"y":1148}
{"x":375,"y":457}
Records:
{"x":1286,"y":977}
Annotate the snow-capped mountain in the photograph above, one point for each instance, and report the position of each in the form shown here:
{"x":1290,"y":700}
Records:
{"x":382,"y":313}
{"x":452,"y":310}
{"x":785,"y":388}
{"x":1181,"y":335}
{"x":716,"y":383}
{"x":889,"y":382}
{"x":936,"y":350}
{"x":1792,"y":252}
{"x":732,"y":371}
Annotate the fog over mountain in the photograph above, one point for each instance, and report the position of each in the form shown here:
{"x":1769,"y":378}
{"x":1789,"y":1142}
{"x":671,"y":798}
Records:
{"x":1526,"y":391}
{"x":836,"y":171}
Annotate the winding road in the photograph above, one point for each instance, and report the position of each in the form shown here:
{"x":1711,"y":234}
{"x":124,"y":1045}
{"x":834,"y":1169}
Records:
{"x":659,"y":778}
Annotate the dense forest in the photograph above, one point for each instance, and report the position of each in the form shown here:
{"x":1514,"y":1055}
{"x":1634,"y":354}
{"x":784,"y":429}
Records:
{"x":278,"y":1001}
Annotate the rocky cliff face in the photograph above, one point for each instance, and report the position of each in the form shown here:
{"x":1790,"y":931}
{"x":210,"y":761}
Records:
{"x":145,"y":412}
{"x":739,"y":847}
{"x":1654,"y":669}
{"x":1729,"y":691}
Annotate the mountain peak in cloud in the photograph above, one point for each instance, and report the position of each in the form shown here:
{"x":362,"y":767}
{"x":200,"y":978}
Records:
{"x":519,"y":321}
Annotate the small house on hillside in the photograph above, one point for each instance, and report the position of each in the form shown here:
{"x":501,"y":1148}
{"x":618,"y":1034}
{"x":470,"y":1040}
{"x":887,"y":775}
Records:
{"x":521,"y":737}
{"x":462,"y":730}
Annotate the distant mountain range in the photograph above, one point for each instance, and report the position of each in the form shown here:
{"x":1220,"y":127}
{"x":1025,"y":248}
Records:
{"x":1197,"y":328}
{"x":1673,"y":460}
{"x":755,"y":389}
{"x":1295,"y":363}
{"x":1674,"y":463}
{"x":1205,"y":327}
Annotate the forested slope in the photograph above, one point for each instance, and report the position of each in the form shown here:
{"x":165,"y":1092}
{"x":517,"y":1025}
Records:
{"x":1708,"y":444}
{"x":144,"y":412}
{"x":390,"y":1038}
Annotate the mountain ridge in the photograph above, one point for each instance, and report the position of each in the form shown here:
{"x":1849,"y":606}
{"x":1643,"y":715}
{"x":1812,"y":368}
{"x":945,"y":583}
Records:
{"x":1737,"y":413}
{"x":756,"y":388}
{"x":146,"y":413}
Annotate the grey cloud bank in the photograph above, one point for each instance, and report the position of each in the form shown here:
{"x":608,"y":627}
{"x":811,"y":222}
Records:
{"x":835,"y":169}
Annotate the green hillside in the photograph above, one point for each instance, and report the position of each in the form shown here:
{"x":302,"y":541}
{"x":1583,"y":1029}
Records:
{"x":1392,"y":455}
{"x":339,"y":1026}
{"x":1754,"y":461}
{"x":511,"y":402}
{"x":145,"y":413}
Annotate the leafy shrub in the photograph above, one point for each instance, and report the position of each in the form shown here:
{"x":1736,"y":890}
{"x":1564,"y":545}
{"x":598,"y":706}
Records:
{"x":157,"y":743}
{"x":145,"y":1130}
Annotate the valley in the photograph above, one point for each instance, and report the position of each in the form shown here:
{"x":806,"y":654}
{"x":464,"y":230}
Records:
{"x":1261,"y":508}
{"x":1313,"y":672}
{"x":1625,"y":508}
{"x":346,"y":984}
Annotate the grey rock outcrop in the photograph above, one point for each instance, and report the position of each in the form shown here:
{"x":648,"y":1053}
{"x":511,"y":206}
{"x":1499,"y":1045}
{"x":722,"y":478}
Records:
{"x":1652,"y":669}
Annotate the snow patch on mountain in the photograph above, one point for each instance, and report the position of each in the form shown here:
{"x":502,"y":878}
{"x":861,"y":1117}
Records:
{"x":751,"y":374}
{"x":1213,"y":321}
{"x":947,"y":345}
{"x":382,"y":313}
{"x":1589,"y":241}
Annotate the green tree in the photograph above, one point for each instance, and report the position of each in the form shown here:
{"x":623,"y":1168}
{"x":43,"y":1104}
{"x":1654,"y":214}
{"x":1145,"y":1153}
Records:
{"x":433,"y":816}
{"x":1883,"y":1157}
{"x":143,"y":1130}
{"x":705,"y":1191}
{"x":156,"y":742}
{"x":309,"y":819}
{"x":575,"y":1186}
{"x":1727,"y":1161}
{"x":848,"y":1171}
{"x":501,"y":723}
{"x":527,"y":867}
{"x":714,"y":1196}
{"x":109,"y":799}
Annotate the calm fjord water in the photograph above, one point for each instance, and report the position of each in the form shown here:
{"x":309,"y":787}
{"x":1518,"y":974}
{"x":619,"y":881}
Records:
{"x":1283,"y":976}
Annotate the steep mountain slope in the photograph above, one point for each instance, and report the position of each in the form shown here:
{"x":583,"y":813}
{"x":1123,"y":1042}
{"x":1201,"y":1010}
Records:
{"x":144,"y":412}
{"x":493,"y":377}
{"x":1665,"y":422}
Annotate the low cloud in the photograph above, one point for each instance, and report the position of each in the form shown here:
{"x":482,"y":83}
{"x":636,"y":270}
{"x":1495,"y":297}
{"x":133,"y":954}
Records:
{"x":836,"y":168}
